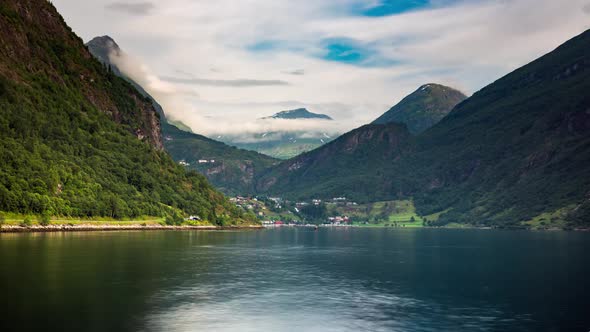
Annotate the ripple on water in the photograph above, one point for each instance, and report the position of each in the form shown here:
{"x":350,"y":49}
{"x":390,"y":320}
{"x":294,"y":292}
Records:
{"x":318,"y":302}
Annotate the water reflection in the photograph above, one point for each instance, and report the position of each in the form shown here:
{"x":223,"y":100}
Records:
{"x":295,"y":280}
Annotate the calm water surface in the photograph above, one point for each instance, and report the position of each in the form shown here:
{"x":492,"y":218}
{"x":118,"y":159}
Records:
{"x":296,"y":280}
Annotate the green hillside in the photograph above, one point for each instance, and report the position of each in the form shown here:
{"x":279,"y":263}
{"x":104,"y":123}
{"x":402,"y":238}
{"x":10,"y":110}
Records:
{"x":230,"y":169}
{"x":233,"y":169}
{"x":516,"y":150}
{"x":76,"y":140}
{"x":354,"y":165}
{"x":423,"y":108}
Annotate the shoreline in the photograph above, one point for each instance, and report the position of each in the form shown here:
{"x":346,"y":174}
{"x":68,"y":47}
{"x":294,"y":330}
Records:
{"x":157,"y":227}
{"x":108,"y":228}
{"x":549,"y":229}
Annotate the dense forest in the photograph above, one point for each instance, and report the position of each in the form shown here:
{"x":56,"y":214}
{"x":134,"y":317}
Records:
{"x":76,"y":140}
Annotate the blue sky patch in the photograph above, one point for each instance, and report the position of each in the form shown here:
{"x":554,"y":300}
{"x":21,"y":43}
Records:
{"x":392,"y":7}
{"x":342,"y":50}
{"x":270,"y":46}
{"x":263,"y":46}
{"x":353,"y":52}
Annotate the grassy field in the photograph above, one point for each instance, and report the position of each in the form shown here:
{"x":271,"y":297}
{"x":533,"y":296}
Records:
{"x":381,"y":214}
{"x":284,"y":216}
{"x":14,"y":219}
{"x":555,"y":219}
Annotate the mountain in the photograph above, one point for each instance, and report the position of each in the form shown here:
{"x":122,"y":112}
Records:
{"x":75,"y":139}
{"x":516,"y":153}
{"x":280,"y":145}
{"x":300,"y":113}
{"x":423,"y":108}
{"x":284,"y":144}
{"x":341,"y":167}
{"x":233,"y":170}
{"x":105,"y":47}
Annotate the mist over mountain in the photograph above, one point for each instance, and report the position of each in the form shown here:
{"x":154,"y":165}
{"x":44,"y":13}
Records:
{"x":230,"y":169}
{"x":103,"y":48}
{"x":300,"y":113}
{"x":286,"y":144}
{"x":284,"y":166}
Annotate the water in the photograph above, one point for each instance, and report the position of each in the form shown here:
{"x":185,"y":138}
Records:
{"x":296,"y":280}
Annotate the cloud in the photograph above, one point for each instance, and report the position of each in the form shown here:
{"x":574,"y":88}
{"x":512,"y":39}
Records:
{"x":296,"y":72}
{"x":135,"y":8}
{"x":170,"y":97}
{"x":378,"y":57}
{"x":237,"y":83}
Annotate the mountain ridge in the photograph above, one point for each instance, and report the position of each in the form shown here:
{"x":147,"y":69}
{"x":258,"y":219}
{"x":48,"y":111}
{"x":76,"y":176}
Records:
{"x":299,"y":113}
{"x":234,"y":169}
{"x":513,"y":152}
{"x":423,"y":108}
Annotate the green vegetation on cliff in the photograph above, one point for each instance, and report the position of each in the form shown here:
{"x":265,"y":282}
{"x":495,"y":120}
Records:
{"x":423,"y":108}
{"x":76,"y":140}
{"x":232,"y":171}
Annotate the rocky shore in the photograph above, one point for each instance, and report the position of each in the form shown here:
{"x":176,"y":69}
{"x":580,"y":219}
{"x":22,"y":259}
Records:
{"x":133,"y":227}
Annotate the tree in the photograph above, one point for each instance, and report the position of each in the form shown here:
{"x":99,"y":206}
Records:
{"x":44,"y":219}
{"x":412,"y":219}
{"x":26,"y":222}
{"x":2,"y":219}
{"x":174,"y":219}
{"x":315,"y":212}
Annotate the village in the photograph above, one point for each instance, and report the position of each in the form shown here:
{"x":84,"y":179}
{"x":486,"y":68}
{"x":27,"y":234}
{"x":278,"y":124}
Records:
{"x":277,"y":212}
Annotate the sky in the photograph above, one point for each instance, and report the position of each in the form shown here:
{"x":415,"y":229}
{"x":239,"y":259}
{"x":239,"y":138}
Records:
{"x":220,"y":65}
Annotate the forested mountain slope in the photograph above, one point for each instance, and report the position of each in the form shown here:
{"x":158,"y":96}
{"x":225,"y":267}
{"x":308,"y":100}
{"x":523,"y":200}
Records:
{"x":423,"y":108}
{"x":352,"y":165}
{"x":230,"y":169}
{"x":514,"y":151}
{"x":75,"y":139}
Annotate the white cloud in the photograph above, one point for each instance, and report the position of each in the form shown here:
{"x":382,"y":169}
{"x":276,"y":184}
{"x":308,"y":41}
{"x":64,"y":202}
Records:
{"x":132,"y":8}
{"x":467,"y":45}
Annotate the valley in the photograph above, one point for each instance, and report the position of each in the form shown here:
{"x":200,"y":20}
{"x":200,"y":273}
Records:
{"x":280,"y":166}
{"x":514,"y":154}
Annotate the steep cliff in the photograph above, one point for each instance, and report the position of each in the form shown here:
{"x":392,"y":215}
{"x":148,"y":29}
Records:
{"x":75,"y":139}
